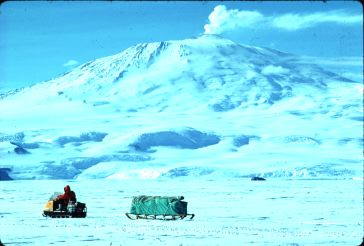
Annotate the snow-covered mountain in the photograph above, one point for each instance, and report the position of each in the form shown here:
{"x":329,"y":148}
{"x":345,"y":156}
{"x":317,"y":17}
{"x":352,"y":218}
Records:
{"x":202,"y":107}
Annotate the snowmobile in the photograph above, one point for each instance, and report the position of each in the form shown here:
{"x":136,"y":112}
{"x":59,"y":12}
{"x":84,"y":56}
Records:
{"x":158,"y":208}
{"x":72,"y":210}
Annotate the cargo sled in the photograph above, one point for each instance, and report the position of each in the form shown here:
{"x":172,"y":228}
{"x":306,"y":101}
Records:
{"x":72,"y":210}
{"x":158,"y":208}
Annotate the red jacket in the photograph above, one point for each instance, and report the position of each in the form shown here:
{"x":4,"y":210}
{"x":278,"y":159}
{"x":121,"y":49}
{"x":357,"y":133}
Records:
{"x":68,"y":195}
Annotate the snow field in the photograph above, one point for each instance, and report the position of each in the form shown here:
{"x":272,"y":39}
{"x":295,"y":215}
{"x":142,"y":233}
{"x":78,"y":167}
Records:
{"x":233,"y":211}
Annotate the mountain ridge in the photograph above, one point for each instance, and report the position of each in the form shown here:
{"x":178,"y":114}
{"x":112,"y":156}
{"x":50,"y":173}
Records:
{"x":206,"y":64}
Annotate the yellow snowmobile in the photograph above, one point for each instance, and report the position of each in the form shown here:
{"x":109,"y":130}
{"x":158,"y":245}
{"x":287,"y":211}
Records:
{"x":72,"y":210}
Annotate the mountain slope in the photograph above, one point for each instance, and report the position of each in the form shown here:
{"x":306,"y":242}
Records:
{"x":224,"y":74}
{"x":203,"y":106}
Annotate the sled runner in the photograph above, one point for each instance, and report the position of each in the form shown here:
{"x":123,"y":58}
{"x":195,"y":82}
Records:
{"x":159,"y":217}
{"x":158,"y":208}
{"x":72,"y":210}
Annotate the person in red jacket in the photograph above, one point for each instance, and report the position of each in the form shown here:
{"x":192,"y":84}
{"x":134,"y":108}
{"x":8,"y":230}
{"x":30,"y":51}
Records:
{"x":68,"y":196}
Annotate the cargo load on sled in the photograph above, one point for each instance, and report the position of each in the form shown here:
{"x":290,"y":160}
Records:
{"x":56,"y":210}
{"x":158,"y":207}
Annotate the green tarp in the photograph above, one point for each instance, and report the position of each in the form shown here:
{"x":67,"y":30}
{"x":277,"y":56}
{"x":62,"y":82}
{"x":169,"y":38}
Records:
{"x":158,"y":205}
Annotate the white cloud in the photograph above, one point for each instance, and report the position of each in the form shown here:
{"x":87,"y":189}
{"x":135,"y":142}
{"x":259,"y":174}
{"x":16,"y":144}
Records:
{"x":270,"y":69}
{"x":292,"y":22}
{"x":348,"y":61}
{"x":222,"y":19}
{"x":350,"y":67}
{"x":71,"y":63}
{"x":357,"y":77}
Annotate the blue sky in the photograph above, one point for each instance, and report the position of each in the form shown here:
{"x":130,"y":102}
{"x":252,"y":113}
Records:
{"x":41,"y":40}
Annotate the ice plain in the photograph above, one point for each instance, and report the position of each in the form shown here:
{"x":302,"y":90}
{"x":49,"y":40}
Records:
{"x":234,"y":212}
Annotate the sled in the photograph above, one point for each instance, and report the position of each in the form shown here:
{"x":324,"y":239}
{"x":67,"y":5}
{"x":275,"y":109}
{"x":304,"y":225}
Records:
{"x":159,"y":217}
{"x":158,"y":208}
{"x":72,"y":210}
